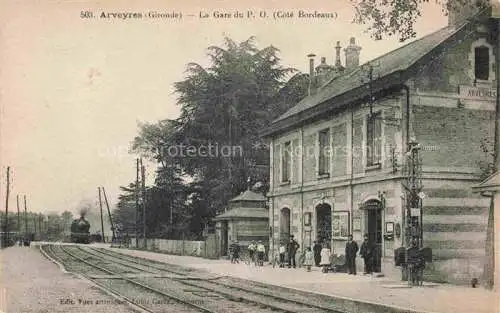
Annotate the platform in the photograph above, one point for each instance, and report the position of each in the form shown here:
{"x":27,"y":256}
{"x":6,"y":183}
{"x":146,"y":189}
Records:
{"x":30,"y":283}
{"x":352,"y":290}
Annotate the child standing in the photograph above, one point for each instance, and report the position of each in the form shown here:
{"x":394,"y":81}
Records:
{"x":282,"y":255}
{"x":261,"y":250}
{"x":325,"y":258}
{"x":308,"y":259}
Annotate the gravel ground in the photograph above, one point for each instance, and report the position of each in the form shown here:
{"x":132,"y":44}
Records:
{"x":30,"y":282}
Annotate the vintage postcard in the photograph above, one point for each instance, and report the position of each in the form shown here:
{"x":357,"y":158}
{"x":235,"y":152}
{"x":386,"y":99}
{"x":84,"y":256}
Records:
{"x":249,"y":156}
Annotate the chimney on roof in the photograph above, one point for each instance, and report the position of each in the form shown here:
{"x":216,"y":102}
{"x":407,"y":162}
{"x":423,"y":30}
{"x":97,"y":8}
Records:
{"x":311,"y":73}
{"x":459,"y":13}
{"x":352,"y":55}
{"x":323,"y":72}
{"x":311,"y":64}
{"x":338,"y":63}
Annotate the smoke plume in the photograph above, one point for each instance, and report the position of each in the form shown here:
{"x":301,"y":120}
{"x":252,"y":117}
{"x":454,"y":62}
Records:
{"x":83,"y":212}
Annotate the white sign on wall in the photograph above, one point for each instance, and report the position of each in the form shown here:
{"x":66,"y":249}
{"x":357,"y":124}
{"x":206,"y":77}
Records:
{"x":478,"y":93}
{"x":415,"y":211}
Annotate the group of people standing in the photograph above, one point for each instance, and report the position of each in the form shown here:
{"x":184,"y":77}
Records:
{"x":319,"y":255}
{"x":256,"y":252}
{"x":367,"y":252}
{"x":290,"y":250}
{"x":322,"y":255}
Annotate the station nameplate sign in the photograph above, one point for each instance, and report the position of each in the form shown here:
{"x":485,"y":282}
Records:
{"x":477,"y":93}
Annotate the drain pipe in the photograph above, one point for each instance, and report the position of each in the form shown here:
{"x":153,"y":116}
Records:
{"x":407,"y":137}
{"x":302,"y":187}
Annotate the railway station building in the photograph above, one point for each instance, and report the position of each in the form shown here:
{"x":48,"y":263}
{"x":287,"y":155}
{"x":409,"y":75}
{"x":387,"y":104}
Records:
{"x":338,"y":156}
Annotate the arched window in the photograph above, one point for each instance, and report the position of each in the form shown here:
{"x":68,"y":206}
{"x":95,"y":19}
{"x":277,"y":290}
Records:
{"x":285,"y":225}
{"x":481,"y":58}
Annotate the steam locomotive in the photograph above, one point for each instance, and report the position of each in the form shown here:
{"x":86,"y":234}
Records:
{"x":80,"y":231}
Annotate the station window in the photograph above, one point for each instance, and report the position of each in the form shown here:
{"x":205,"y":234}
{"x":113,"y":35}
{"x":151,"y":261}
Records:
{"x":374,"y":139}
{"x":324,"y":152}
{"x":286,"y":162}
{"x":482,"y":63}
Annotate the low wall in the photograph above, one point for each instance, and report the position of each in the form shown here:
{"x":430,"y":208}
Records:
{"x":205,"y":249}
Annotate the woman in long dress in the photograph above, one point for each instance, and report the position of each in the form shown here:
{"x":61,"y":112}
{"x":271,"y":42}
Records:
{"x":325,"y":258}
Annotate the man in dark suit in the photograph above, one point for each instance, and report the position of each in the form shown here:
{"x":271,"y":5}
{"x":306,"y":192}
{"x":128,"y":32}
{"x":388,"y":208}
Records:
{"x":317,"y":252}
{"x":366,"y":253}
{"x":351,"y":248}
{"x":292,"y":250}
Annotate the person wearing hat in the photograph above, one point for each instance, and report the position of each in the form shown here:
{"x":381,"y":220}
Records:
{"x":235,"y":252}
{"x":292,"y":248}
{"x":317,"y":252}
{"x":261,"y":250}
{"x":351,"y":249}
{"x":252,"y":247}
{"x":366,"y":252}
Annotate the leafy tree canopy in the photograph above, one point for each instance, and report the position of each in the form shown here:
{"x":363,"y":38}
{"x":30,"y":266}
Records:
{"x":398,"y":17}
{"x":206,"y":155}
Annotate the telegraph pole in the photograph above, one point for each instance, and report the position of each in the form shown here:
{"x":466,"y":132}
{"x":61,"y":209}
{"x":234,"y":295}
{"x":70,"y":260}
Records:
{"x":102,"y":221}
{"x":109,"y":214}
{"x":137,"y":204}
{"x":40,"y":225}
{"x":143,"y":178}
{"x":18,"y":216}
{"x":7,"y":207}
{"x":25,"y":219}
{"x":370,"y":78}
{"x":34,"y":224}
{"x":413,"y":217}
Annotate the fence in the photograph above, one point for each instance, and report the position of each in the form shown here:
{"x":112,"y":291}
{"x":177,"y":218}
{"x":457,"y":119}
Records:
{"x":204,"y":249}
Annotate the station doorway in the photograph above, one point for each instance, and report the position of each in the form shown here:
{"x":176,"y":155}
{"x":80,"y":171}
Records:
{"x":373,"y":217}
{"x":324,"y":223}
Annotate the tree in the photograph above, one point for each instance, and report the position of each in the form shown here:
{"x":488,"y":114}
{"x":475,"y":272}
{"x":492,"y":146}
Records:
{"x":55,"y":228}
{"x":125,"y":212}
{"x":66,"y":219}
{"x":205,"y":156}
{"x":225,"y":105}
{"x":398,"y":17}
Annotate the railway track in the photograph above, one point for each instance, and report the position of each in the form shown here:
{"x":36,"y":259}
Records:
{"x":139,"y":263}
{"x":138,"y":295}
{"x":229,"y":288}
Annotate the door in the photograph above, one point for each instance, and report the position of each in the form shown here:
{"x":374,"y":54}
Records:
{"x":374,"y":230}
{"x":224,"y":243}
{"x":324,"y":223}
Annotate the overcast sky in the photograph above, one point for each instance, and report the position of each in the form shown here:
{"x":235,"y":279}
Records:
{"x":73,"y":89}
